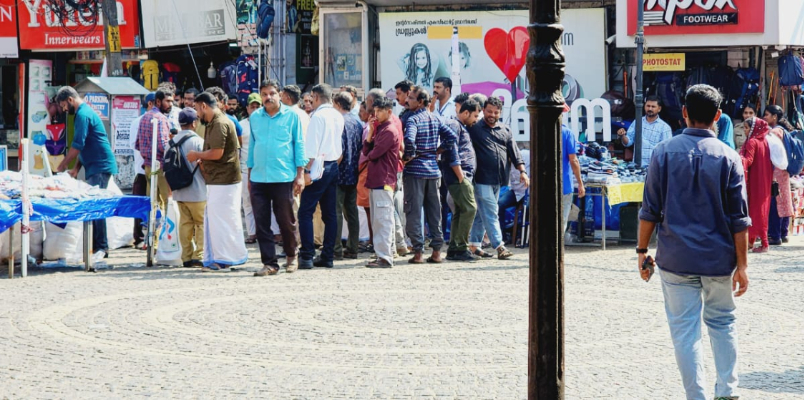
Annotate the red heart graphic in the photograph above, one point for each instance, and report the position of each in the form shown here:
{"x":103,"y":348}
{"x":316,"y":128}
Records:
{"x":508,"y":50}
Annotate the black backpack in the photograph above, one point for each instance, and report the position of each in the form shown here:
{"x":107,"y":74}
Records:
{"x":177,"y":173}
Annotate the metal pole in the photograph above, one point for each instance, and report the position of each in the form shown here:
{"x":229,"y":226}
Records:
{"x":639,"y":99}
{"x":546,"y":250}
{"x":114,"y":59}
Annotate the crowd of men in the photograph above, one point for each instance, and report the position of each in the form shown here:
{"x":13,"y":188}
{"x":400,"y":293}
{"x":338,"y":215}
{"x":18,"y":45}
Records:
{"x":298,"y":168}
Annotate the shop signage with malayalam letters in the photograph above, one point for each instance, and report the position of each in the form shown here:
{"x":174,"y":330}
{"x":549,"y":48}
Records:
{"x":679,"y":17}
{"x":653,"y":62}
{"x":41,"y":29}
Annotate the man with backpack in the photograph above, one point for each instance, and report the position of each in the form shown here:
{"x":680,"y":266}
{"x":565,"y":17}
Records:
{"x":192,"y":198}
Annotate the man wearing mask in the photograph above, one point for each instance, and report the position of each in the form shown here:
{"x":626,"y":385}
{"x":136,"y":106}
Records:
{"x":163,"y":103}
{"x":496,"y":151}
{"x":654,"y":130}
{"x":92,"y":148}
{"x":220,"y":164}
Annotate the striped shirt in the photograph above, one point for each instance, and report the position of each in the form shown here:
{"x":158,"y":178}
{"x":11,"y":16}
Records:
{"x":145,"y":136}
{"x":653,"y":133}
{"x":423,"y":134}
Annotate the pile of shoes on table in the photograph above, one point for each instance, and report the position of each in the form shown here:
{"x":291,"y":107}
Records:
{"x":61,"y":186}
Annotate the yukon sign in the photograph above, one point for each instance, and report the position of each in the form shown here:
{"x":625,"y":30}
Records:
{"x":673,"y":17}
{"x":41,"y":29}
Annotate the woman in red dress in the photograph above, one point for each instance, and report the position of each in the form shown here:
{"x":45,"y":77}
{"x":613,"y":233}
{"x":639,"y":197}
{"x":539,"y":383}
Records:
{"x":758,"y":177}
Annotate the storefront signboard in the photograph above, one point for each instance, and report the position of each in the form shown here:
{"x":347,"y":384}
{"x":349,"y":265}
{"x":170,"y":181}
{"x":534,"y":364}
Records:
{"x":653,"y":62}
{"x":676,"y":17}
{"x":41,"y":29}
{"x":8,"y":32}
{"x":180,"y":22}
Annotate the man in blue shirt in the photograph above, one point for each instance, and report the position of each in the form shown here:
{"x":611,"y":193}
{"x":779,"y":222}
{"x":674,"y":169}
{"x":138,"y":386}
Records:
{"x":352,"y":143}
{"x":423,"y":133}
{"x":570,"y":164}
{"x":695,"y":193}
{"x":276,"y":164}
{"x":91,"y":146}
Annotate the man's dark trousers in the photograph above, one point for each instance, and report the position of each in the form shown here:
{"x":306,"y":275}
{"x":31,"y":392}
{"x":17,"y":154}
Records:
{"x":139,"y":189}
{"x":777,"y":227}
{"x":99,"y":240}
{"x":347,"y":206}
{"x":279,"y":198}
{"x":324,"y":191}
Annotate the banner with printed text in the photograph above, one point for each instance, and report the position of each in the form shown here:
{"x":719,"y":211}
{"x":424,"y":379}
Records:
{"x":8,"y":32}
{"x":125,"y":109}
{"x":41,"y":29}
{"x":179,"y":22}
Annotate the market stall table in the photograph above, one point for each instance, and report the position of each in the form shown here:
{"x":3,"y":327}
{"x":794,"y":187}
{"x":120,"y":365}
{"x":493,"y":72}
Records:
{"x":615,"y":194}
{"x":59,"y":211}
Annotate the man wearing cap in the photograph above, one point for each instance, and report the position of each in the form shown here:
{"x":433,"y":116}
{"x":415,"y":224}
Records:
{"x":276,"y":162}
{"x":140,"y":187}
{"x":192,"y":200}
{"x":253,"y":104}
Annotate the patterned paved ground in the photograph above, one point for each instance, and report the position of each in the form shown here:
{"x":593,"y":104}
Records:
{"x":447,"y":331}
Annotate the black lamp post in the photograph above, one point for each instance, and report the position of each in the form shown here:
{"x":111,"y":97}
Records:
{"x":545,"y":104}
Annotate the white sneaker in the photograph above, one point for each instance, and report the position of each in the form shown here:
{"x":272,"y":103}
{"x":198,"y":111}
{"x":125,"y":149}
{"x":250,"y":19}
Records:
{"x":98,"y":257}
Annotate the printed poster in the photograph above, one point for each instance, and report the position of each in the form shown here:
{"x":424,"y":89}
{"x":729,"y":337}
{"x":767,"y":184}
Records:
{"x":99,"y":102}
{"x":125,"y":109}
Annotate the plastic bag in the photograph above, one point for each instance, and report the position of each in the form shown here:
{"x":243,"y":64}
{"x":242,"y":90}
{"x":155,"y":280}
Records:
{"x":169,"y":250}
{"x":777,"y":151}
{"x":119,"y":230}
{"x":63,"y":243}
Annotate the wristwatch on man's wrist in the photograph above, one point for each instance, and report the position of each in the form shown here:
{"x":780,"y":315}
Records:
{"x":642,"y":251}
{"x":307,"y":171}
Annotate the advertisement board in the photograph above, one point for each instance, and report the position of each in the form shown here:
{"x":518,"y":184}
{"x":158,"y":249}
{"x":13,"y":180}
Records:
{"x":125,"y":109}
{"x":8,"y":32}
{"x":99,"y":102}
{"x":678,"y":17}
{"x":41,"y":29}
{"x":429,"y":35}
{"x":653,"y":62}
{"x":180,"y":22}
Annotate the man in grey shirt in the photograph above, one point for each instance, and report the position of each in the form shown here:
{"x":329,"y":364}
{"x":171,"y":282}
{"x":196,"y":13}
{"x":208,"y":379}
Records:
{"x":192,"y":200}
{"x":695,"y":194}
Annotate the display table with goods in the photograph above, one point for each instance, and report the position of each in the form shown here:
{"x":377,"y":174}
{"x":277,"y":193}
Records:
{"x":60,"y":200}
{"x":614,"y":182}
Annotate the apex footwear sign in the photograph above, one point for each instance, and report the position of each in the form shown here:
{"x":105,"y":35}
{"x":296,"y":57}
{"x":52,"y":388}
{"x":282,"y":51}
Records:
{"x":41,"y":29}
{"x":675,"y":17}
{"x":199,"y":21}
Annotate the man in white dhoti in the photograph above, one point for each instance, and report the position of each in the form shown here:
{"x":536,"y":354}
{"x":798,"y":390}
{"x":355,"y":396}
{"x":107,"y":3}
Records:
{"x":220,"y":163}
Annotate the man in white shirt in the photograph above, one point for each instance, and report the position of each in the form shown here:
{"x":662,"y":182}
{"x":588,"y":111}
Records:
{"x":140,"y":181}
{"x":322,"y":146}
{"x":654,"y":130}
{"x":442,"y":91}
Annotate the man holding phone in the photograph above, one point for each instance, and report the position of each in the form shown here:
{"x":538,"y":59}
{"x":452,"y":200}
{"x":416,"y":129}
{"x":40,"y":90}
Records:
{"x":695,"y":194}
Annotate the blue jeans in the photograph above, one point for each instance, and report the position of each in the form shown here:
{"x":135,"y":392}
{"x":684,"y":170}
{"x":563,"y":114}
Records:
{"x":99,"y":239}
{"x":324,"y":191}
{"x":506,"y":201}
{"x":777,"y":226}
{"x":685,"y":298}
{"x":487,"y":219}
